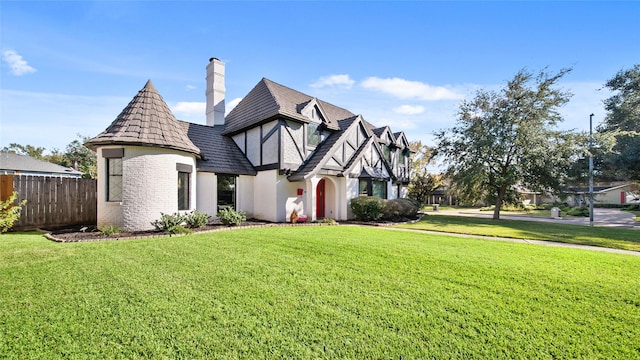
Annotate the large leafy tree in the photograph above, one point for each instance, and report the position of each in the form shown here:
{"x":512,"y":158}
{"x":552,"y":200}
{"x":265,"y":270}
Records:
{"x":508,"y":138}
{"x":623,"y":120}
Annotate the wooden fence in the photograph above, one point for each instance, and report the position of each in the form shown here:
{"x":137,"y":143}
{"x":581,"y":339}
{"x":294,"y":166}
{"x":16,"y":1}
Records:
{"x":52,"y":202}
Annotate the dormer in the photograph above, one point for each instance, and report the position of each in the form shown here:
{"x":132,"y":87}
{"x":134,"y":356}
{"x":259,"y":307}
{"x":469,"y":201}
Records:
{"x":319,"y":126}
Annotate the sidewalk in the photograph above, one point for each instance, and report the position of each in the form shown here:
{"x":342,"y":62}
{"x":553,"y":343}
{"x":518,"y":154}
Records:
{"x":601,"y":217}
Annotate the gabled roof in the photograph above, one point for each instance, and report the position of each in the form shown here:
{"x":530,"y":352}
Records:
{"x":323,"y":151}
{"x":219,"y":153}
{"x":146,"y":121}
{"x":268,"y":99}
{"x":15,"y":163}
{"x":331,"y":144}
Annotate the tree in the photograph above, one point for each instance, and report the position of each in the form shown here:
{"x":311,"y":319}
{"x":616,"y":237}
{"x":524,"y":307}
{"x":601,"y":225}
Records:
{"x":623,"y":120}
{"x":81,"y":157}
{"x":508,"y":138}
{"x":35,"y":152}
{"x":76,"y":155}
{"x":422,"y":182}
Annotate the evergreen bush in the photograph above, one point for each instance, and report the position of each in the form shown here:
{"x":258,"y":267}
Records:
{"x":231,"y":217}
{"x":367,"y":208}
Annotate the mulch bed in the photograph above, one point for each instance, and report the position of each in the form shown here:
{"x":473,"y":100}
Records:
{"x":91,"y":233}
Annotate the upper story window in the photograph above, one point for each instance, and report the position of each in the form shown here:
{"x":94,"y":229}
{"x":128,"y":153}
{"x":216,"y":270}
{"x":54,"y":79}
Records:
{"x":314,"y":135}
{"x":387,"y":153}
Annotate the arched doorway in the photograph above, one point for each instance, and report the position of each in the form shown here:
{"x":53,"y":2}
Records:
{"x":320,"y":199}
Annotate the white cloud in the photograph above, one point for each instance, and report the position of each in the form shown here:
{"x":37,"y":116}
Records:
{"x":190,"y":109}
{"x":409,"y":109}
{"x":16,"y":63}
{"x":342,"y":80}
{"x":232,"y":104}
{"x":191,"y":87}
{"x":407,"y":89}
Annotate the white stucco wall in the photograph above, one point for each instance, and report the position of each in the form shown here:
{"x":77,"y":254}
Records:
{"x":253,"y":146}
{"x":265,"y":195}
{"x":352,"y":188}
{"x":207,"y":193}
{"x":149,"y":187}
{"x":292,"y":144}
{"x":245,"y":194}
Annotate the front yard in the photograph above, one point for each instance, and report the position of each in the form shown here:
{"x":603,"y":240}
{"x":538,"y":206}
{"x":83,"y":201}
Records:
{"x":314,"y":292}
{"x":616,"y":238}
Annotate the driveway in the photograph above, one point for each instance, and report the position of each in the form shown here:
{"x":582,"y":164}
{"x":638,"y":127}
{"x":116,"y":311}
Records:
{"x":601,"y":217}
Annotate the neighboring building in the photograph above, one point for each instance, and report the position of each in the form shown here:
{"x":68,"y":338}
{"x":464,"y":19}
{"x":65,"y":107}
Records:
{"x":14,"y":164}
{"x":277,"y":151}
{"x":610,"y":194}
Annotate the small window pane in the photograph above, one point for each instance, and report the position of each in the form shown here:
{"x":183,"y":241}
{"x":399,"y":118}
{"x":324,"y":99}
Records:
{"x":226,"y":191}
{"x":363,"y":187}
{"x":313,"y":135}
{"x":114,"y":179}
{"x":379,"y":189}
{"x":183,"y":191}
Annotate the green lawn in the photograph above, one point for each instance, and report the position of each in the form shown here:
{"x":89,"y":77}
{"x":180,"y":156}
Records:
{"x":315,"y":292}
{"x":617,"y":238}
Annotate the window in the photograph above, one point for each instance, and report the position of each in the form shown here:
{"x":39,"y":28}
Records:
{"x":113,"y":166}
{"x":363,"y":186}
{"x":226,"y":191}
{"x":379,"y":188}
{"x":184,"y":186}
{"x":387,"y":153}
{"x":114,"y":179}
{"x":183,"y":190}
{"x":313,"y":134}
{"x":372,"y":187}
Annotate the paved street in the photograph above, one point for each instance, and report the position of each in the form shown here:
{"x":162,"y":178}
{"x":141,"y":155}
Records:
{"x":602,"y":217}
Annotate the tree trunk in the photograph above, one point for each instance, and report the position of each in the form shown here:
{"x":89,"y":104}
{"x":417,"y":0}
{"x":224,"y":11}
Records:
{"x":496,"y":210}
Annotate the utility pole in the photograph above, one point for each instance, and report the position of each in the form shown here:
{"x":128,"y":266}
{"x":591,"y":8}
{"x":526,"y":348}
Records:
{"x":591,"y":170}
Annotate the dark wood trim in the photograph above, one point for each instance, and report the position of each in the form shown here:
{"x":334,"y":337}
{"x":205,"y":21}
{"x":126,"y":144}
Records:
{"x":113,"y":153}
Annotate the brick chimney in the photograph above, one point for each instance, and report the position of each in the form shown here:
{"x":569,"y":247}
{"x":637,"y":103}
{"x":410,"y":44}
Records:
{"x":215,"y":92}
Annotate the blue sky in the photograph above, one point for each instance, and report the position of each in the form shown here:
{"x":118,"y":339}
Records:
{"x":70,"y":67}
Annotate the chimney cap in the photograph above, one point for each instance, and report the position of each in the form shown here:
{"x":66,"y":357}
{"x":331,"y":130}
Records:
{"x":213,"y":58}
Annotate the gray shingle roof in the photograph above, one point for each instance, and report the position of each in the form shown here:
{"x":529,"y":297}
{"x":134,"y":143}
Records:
{"x":146,"y":121}
{"x":22,"y":163}
{"x":219,"y":153}
{"x":268,"y":99}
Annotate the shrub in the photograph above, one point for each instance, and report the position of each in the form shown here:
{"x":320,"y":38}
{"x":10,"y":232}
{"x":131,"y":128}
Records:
{"x":231,"y":217}
{"x":367,"y":208}
{"x":110,"y":230}
{"x":9,"y":212}
{"x":196,"y":219}
{"x":326,"y":221}
{"x":632,"y":207}
{"x":578,"y":211}
{"x":398,"y":209}
{"x":170,"y":224}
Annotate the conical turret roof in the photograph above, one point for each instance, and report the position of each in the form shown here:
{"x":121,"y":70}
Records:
{"x":146,"y":121}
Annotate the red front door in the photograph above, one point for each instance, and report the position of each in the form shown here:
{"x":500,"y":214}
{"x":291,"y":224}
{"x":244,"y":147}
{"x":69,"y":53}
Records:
{"x":320,"y":200}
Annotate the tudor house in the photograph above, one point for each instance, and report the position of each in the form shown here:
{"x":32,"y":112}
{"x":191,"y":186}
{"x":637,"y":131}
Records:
{"x":277,"y":151}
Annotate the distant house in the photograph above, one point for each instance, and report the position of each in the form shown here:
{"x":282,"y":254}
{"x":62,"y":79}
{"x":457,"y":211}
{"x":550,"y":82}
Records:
{"x":14,"y":164}
{"x":610,"y":194}
{"x":277,"y":151}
